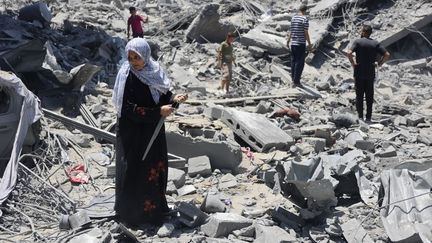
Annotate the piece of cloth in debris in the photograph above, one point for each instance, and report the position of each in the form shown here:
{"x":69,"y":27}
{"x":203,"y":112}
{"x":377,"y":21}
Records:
{"x":141,"y":185}
{"x":152,"y":74}
{"x":30,"y":113}
{"x":407,"y":220}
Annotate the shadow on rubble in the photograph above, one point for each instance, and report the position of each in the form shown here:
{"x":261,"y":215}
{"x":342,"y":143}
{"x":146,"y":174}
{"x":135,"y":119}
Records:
{"x":61,"y":64}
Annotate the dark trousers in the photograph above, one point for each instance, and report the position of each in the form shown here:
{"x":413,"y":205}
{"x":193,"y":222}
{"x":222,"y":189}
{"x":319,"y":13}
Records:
{"x":364,"y":87}
{"x":135,"y":35}
{"x":298,"y":54}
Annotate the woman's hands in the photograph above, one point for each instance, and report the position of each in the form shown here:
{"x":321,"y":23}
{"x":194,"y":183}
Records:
{"x":166,"y":110}
{"x":180,"y":98}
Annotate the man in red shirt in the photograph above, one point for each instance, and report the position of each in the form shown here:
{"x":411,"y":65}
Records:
{"x":134,"y":21}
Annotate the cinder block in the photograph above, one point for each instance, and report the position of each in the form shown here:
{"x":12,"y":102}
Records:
{"x":199,"y":166}
{"x":256,"y":130}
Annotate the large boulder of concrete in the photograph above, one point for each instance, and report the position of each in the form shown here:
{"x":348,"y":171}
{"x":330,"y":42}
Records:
{"x":273,"y":44}
{"x":208,"y":25}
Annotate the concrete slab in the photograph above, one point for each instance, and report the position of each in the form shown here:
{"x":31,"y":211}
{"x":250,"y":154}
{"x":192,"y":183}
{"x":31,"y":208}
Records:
{"x":208,"y":27}
{"x":410,"y":20}
{"x":355,"y":233}
{"x":272,"y":234}
{"x":257,"y":130}
{"x":222,"y":155}
{"x":222,"y":224}
{"x":273,"y":44}
{"x":325,"y":6}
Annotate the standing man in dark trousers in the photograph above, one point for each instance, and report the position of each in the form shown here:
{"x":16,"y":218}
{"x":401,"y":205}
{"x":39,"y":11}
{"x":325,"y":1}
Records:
{"x":298,"y":36}
{"x":366,"y":51}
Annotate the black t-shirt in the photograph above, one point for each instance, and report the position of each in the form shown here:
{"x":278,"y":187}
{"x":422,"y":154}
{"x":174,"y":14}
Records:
{"x":366,"y":51}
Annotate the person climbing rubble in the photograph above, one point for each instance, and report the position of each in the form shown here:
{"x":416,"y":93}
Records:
{"x":366,"y":51}
{"x":134,"y":22}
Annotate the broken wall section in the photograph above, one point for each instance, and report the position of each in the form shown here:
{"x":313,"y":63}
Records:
{"x":207,"y":26}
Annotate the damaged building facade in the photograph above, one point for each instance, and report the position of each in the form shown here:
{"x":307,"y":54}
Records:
{"x":263,"y":163}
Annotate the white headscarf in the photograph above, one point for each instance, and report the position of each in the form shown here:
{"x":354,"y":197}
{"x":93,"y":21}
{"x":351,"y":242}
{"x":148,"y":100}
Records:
{"x":152,"y":74}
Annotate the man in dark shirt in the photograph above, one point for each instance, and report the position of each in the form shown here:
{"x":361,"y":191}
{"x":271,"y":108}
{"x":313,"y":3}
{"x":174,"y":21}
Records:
{"x":366,"y":51}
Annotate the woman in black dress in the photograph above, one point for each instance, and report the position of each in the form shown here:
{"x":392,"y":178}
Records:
{"x":142,"y":97}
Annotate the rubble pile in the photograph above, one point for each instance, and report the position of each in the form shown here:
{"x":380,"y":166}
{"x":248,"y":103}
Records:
{"x":262,"y":163}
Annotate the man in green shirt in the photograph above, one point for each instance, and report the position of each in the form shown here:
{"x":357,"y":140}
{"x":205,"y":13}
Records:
{"x":225,"y":61}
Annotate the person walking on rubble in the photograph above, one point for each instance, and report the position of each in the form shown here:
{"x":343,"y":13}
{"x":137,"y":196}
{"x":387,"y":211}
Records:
{"x":141,"y":96}
{"x":226,"y":59}
{"x":364,"y":64}
{"x":134,"y":22}
{"x":297,"y":37}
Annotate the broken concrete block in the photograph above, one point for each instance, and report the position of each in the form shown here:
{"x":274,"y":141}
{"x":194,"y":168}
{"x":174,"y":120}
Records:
{"x":214,"y":112}
{"x":245,"y":232}
{"x":366,"y":145}
{"x":222,"y":224}
{"x":190,"y":215}
{"x":171,"y":188}
{"x":311,"y":130}
{"x":227,"y":181}
{"x":317,"y":196}
{"x":199,"y":166}
{"x":186,"y":190}
{"x":425,"y":137}
{"x":254,"y":213}
{"x":38,"y":11}
{"x":329,"y":79}
{"x":353,"y":137}
{"x":318,"y":143}
{"x":273,"y":44}
{"x":279,"y":71}
{"x":213,"y":204}
{"x":325,"y":6}
{"x":287,"y":218}
{"x":79,"y":219}
{"x":208,"y":27}
{"x":222,"y":155}
{"x":82,"y":74}
{"x":414,"y":120}
{"x":256,"y":51}
{"x":390,"y":151}
{"x":322,"y":86}
{"x":263,"y":107}
{"x":355,"y":233}
{"x":272,"y":234}
{"x":166,"y":230}
{"x":178,"y":177}
{"x":257,"y":130}
{"x":344,"y":119}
